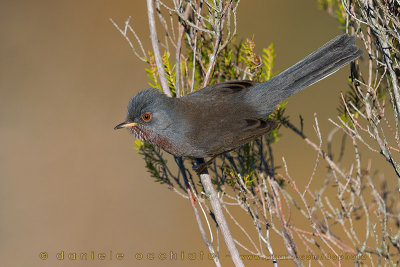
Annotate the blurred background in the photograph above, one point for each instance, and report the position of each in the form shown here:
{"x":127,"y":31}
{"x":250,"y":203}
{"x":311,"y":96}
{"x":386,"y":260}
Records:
{"x":68,"y":181}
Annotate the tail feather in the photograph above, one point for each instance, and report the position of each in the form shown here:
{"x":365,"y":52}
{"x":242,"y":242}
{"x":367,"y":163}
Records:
{"x":315,"y":67}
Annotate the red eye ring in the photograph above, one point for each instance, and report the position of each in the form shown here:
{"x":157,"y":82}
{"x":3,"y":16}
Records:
{"x":146,"y":117}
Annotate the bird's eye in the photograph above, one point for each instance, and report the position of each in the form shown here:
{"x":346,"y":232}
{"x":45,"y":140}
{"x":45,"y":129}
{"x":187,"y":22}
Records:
{"x":146,"y":117}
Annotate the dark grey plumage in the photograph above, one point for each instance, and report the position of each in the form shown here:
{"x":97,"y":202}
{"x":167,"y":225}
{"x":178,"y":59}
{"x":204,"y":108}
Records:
{"x":221,"y":117}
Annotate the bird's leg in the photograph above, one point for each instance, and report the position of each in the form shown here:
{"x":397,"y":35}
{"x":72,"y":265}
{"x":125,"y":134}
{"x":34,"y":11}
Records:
{"x":202,"y":165}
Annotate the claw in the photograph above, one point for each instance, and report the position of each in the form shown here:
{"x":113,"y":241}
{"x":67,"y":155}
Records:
{"x":200,"y":168}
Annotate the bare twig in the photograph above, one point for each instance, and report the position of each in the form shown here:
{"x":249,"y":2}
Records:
{"x":156,"y":49}
{"x":219,"y":215}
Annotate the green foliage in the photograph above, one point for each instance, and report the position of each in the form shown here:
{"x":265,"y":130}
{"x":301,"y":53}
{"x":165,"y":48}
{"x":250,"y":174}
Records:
{"x":335,"y":9}
{"x":268,"y":60}
{"x":155,"y":163}
{"x":138,"y":144}
{"x":251,"y":60}
{"x":169,"y":73}
{"x":226,"y":68}
{"x":247,"y":179}
{"x":152,"y":72}
{"x":340,"y":16}
{"x":279,"y":115}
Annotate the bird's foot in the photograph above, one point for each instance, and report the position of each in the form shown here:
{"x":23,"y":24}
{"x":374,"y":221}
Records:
{"x":202,"y":166}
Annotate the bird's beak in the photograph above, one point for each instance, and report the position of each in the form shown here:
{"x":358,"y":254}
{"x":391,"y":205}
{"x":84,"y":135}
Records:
{"x":126,"y":124}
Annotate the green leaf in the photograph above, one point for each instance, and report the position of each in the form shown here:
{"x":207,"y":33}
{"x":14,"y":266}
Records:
{"x":268,"y":60}
{"x":138,"y":144}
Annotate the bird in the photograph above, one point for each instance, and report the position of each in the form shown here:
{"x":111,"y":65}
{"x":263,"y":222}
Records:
{"x":219,"y":118}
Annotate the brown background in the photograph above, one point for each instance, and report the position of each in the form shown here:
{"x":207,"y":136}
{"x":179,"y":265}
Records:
{"x":67,"y":180}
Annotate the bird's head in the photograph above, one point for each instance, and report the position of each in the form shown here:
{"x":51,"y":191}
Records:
{"x":147,"y":115}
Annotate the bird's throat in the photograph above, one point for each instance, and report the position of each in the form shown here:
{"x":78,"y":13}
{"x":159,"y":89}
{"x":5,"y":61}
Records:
{"x":153,"y":138}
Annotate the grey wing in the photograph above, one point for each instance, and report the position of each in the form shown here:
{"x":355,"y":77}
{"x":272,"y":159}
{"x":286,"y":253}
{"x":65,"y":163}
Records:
{"x":219,"y":119}
{"x":241,"y":133}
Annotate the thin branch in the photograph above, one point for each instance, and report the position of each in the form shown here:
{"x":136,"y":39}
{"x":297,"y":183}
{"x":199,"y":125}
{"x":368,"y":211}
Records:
{"x":124,"y":33}
{"x":156,"y":49}
{"x":220,"y":217}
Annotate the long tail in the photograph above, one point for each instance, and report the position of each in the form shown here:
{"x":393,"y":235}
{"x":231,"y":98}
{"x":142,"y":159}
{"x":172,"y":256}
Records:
{"x":318,"y":65}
